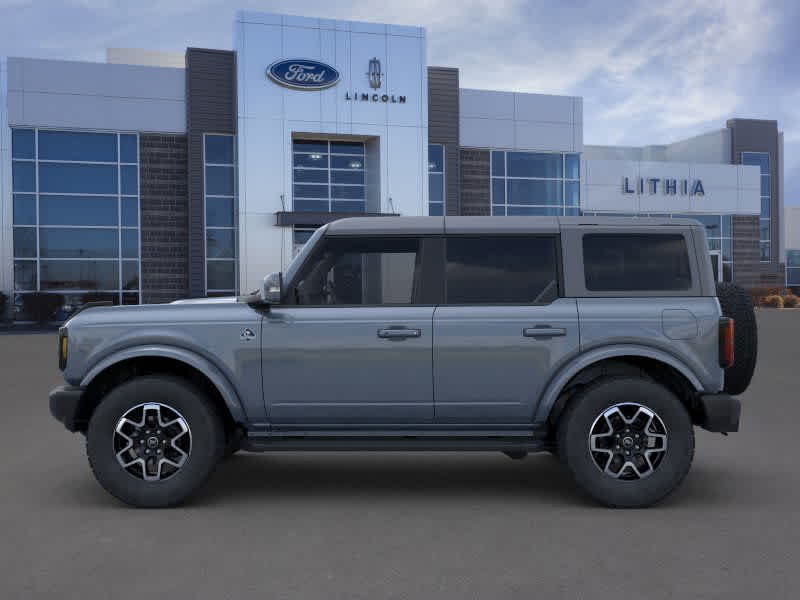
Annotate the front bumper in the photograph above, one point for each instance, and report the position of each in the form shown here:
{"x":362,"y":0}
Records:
{"x":719,"y":413}
{"x":66,"y":406}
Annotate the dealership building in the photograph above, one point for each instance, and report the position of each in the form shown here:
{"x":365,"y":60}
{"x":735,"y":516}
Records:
{"x":156,"y":176}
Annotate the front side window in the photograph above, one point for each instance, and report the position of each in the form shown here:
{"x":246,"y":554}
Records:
{"x":501,"y":270}
{"x":634,"y":262}
{"x":359,"y":271}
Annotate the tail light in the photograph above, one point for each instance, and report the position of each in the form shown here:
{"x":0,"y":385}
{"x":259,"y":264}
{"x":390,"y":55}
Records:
{"x":725,"y":342}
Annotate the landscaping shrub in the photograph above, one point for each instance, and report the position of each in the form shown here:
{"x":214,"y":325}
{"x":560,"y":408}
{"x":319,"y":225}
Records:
{"x":790,"y":301}
{"x":773,"y":301}
{"x":41,"y":306}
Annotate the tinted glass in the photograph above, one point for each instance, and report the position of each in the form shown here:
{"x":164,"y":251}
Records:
{"x":352,"y":177}
{"x":219,"y":212}
{"x":527,"y":191}
{"x":129,"y":184}
{"x":435,"y":158}
{"x":654,"y":262}
{"x":310,"y":191}
{"x":359,"y":271}
{"x":77,"y":179}
{"x":347,"y":148}
{"x":130,"y":212}
{"x":436,"y":187}
{"x":23,"y":144}
{"x":221,"y":274}
{"x":530,"y":164}
{"x":130,"y":275}
{"x":24,"y":274}
{"x":220,"y":243}
{"x":312,"y":175}
{"x":534,"y":211}
{"x":500,"y":270}
{"x":498,"y":164}
{"x":73,"y":145}
{"x":573,"y":166}
{"x":77,"y":210}
{"x":24,"y":209}
{"x":25,"y":242}
{"x":572,"y":189}
{"x":78,"y":243}
{"x":498,"y":191}
{"x":23,"y":176}
{"x":219,"y":181}
{"x":346,"y":162}
{"x":435,"y":209}
{"x":128,"y":150}
{"x":793,"y":258}
{"x":347,"y":206}
{"x":219,"y":149}
{"x":311,"y":205}
{"x":759,"y":159}
{"x":347,"y":192}
{"x":310,"y":146}
{"x":80,"y":275}
{"x":316,"y":161}
{"x":130,"y":243}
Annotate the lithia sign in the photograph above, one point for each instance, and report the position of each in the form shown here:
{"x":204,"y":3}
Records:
{"x":667,"y":186}
{"x":306,"y":74}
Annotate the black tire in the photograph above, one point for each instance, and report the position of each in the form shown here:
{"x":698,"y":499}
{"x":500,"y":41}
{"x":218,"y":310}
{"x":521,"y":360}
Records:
{"x":736,"y":304}
{"x":573,"y":436}
{"x":206,"y":431}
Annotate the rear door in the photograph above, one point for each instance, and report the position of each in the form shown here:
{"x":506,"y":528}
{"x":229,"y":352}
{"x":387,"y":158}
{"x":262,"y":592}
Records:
{"x":502,"y":330}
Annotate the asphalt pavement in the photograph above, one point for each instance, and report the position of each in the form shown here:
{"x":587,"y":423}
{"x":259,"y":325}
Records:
{"x":403,"y":525}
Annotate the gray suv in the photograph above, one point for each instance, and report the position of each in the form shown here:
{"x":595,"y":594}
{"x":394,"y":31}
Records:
{"x":601,"y":340}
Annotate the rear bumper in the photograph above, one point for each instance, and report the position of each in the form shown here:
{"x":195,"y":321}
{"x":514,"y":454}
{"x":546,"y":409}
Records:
{"x":66,"y":403}
{"x":719,"y":413}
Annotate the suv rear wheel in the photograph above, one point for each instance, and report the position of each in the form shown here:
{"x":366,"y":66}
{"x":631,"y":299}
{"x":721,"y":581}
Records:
{"x":627,"y":441}
{"x":154,"y":440}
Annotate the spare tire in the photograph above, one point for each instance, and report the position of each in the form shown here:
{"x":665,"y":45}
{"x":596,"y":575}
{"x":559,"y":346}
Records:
{"x":736,"y":304}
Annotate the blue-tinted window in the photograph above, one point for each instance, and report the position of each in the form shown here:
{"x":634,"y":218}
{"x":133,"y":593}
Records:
{"x":354,"y":206}
{"x":78,"y":146}
{"x":219,"y":181}
{"x":25,"y":275}
{"x":80,"y":275}
{"x":128,"y":149}
{"x":765,"y":185}
{"x":219,"y":212}
{"x":533,"y":211}
{"x":129,"y":184}
{"x":759,"y":159}
{"x":726,"y":226}
{"x":310,"y":191}
{"x":436,"y":209}
{"x":435,"y":158}
{"x":530,"y":164}
{"x":220,"y":243}
{"x":350,"y":177}
{"x":522,"y":191}
{"x":220,"y":275}
{"x":77,"y":210}
{"x":24,"y":242}
{"x":23,"y":143}
{"x":499,"y":210}
{"x":498,"y":163}
{"x":343,"y":162}
{"x":130,"y":275}
{"x":347,"y":192}
{"x":311,"y":205}
{"x":219,"y":149}
{"x":23,"y":176}
{"x":77,"y":178}
{"x":310,"y":146}
{"x":793,"y":258}
{"x":318,"y":161}
{"x":572,"y":190}
{"x":498,"y":191}
{"x":347,"y":148}
{"x":130,"y":243}
{"x":130,"y":212}
{"x":572,"y":166}
{"x":78,"y":243}
{"x":436,"y":187}
{"x":24,"y":209}
{"x":313,"y":175}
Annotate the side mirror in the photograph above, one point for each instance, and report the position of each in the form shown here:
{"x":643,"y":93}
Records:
{"x":271,"y":288}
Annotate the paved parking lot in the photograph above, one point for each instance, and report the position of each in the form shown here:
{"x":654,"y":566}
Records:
{"x":382,"y":525}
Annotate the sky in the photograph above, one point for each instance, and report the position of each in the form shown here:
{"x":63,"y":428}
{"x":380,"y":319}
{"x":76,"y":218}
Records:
{"x":649,"y":72}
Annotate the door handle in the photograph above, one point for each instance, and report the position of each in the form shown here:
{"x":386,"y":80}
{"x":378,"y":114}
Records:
{"x":544,"y":331}
{"x":399,"y":333}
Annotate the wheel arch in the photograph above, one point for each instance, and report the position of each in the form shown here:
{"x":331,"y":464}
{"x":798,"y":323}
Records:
{"x":639,"y":360}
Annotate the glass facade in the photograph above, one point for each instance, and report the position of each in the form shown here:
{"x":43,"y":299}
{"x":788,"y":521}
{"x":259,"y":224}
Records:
{"x":718,"y":231}
{"x":761,"y":160}
{"x":75,"y":216}
{"x":328,"y":176}
{"x":793,"y":267}
{"x":219,"y":158}
{"x":435,"y":180}
{"x":535,"y":183}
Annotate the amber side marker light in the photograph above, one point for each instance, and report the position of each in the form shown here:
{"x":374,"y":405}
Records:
{"x":63,"y":344}
{"x":725,"y":342}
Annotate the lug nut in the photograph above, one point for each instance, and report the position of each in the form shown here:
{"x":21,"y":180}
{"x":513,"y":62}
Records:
{"x":637,"y":447}
{"x":158,"y":452}
{"x":141,"y":441}
{"x":147,"y":451}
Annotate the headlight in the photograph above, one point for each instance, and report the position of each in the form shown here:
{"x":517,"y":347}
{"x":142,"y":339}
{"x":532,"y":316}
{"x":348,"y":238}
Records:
{"x":63,"y":346}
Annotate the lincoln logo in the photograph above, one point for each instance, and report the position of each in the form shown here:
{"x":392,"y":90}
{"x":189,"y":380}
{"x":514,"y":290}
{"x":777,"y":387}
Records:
{"x":374,"y":74}
{"x":667,"y":186}
{"x":301,"y":74}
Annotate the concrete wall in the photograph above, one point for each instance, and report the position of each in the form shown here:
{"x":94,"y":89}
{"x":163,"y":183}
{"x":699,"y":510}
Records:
{"x":82,"y":95}
{"x":521,"y":121}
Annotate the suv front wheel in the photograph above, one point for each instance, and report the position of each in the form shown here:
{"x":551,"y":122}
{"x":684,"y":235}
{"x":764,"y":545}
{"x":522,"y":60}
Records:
{"x":627,"y":441}
{"x":153,"y":440}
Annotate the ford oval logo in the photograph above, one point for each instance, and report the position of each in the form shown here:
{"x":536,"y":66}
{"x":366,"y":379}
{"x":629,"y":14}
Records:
{"x":303,"y":74}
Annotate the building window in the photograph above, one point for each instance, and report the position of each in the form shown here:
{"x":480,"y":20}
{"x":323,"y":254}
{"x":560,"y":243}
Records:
{"x":328,"y":176}
{"x":219,"y":159}
{"x":300,"y":236}
{"x":761,"y":160}
{"x":76,"y":217}
{"x":718,"y":231}
{"x":535,"y":183}
{"x":435,"y":180}
{"x":793,"y":268}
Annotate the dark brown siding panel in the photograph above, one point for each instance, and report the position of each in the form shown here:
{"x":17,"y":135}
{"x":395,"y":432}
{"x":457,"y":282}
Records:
{"x":210,"y":108}
{"x":475,"y":182}
{"x":443,"y":128}
{"x":746,"y":268}
{"x":164,"y":217}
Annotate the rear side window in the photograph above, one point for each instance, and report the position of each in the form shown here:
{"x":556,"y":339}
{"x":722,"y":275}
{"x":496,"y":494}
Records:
{"x":501,"y":270}
{"x":616,"y":263}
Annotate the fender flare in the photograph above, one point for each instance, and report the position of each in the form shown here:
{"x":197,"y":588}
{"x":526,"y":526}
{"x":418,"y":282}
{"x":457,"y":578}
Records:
{"x":566,"y":373}
{"x":217,"y":378}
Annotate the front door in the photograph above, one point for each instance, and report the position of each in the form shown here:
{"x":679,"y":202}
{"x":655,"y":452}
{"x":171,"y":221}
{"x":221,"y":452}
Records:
{"x":352,"y":345}
{"x":502,"y":331}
